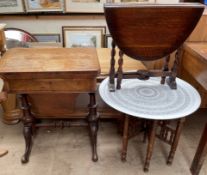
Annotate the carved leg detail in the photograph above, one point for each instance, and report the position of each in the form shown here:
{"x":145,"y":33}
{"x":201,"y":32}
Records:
{"x":125,"y":138}
{"x":120,"y":70}
{"x":150,"y":145}
{"x":27,"y":130}
{"x":93,"y":125}
{"x":112,"y":68}
{"x":175,"y":140}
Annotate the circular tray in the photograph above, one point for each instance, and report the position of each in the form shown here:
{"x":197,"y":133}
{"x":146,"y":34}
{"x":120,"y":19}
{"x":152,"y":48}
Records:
{"x":151,"y":100}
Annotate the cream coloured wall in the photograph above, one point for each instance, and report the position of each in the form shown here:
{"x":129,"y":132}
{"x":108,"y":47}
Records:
{"x":51,"y":24}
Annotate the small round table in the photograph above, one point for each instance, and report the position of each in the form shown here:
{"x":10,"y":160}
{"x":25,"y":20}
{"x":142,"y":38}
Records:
{"x":151,"y":100}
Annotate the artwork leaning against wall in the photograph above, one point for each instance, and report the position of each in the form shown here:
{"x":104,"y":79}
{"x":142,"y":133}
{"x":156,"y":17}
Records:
{"x":11,"y":6}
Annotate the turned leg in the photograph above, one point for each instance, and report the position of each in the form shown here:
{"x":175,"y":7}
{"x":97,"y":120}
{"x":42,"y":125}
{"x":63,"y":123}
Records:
{"x":150,"y":145}
{"x":112,"y":68}
{"x":93,"y":125}
{"x":27,"y":129}
{"x":120,"y":70}
{"x":201,"y":153}
{"x":175,"y":141}
{"x":145,"y":130}
{"x":165,"y":68}
{"x":171,"y":81}
{"x":125,"y":138}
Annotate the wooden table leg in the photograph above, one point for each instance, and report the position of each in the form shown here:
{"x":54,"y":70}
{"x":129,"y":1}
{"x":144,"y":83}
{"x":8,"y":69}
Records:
{"x":201,"y":154}
{"x":175,"y":140}
{"x":120,"y":70}
{"x":93,"y":125}
{"x":27,"y":130}
{"x":150,"y":145}
{"x":125,"y":138}
{"x":112,"y":68}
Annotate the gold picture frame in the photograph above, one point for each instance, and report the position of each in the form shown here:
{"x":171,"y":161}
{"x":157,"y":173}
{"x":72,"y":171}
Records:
{"x":44,"y":5}
{"x":83,"y":36}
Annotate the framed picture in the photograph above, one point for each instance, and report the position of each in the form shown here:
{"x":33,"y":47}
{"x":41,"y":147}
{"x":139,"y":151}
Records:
{"x":11,"y":6}
{"x":83,"y":36}
{"x":43,"y":5}
{"x":53,"y":38}
{"x":108,"y":41}
{"x":84,"y":6}
{"x":141,"y":1}
{"x":167,"y":1}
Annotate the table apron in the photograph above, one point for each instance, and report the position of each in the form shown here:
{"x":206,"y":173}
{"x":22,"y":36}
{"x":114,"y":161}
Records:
{"x":52,"y":85}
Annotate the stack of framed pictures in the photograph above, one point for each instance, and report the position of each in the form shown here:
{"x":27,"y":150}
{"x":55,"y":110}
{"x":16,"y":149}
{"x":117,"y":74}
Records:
{"x":68,"y":6}
{"x":63,"y":6}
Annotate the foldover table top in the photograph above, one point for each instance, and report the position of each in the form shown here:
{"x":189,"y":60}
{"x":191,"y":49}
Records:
{"x":50,"y":60}
{"x":48,"y":70}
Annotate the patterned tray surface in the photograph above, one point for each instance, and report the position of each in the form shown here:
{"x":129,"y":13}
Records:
{"x":149,"y":99}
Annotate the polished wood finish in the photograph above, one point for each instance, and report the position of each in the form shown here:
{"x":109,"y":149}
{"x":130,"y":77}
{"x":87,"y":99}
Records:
{"x":195,"y":60}
{"x":70,"y":106}
{"x":200,"y":34}
{"x":2,"y":38}
{"x":201,"y":153}
{"x":134,"y":31}
{"x":194,"y":71}
{"x":134,"y":34}
{"x":52,"y":70}
{"x":167,"y":133}
{"x":11,"y":113}
{"x":194,"y":66}
{"x":125,"y":138}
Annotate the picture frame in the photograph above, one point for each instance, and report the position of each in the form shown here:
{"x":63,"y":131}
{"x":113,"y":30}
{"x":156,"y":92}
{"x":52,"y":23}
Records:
{"x":83,"y":36}
{"x":84,"y":6}
{"x":52,"y":38}
{"x":11,"y":6}
{"x":44,"y":5}
{"x":136,"y":1}
{"x":167,"y":1}
{"x":108,"y":41}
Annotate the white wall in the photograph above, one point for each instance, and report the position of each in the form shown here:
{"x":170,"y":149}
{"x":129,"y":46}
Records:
{"x":51,"y":24}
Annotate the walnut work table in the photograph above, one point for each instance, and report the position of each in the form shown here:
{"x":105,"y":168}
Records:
{"x":50,"y":70}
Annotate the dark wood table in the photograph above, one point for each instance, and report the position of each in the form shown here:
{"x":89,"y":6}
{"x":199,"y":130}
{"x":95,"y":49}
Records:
{"x":195,"y":71}
{"x":50,"y":70}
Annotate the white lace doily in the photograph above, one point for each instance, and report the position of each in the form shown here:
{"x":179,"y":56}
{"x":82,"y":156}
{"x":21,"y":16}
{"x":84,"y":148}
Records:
{"x":151,"y":100}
